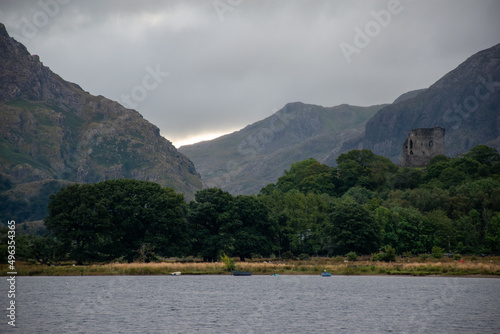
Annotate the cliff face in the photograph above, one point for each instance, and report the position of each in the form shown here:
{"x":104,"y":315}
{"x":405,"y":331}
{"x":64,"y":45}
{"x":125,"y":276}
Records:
{"x":51,"y":129}
{"x":466,"y":102}
{"x":247,"y":160}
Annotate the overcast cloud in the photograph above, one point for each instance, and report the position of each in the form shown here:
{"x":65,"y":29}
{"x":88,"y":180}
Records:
{"x":213,"y":66}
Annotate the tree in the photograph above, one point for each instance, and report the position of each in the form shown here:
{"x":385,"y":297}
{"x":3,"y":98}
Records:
{"x":437,"y":252}
{"x":452,"y":177}
{"x":44,"y":249}
{"x":208,"y":214}
{"x":251,"y":230}
{"x":470,"y":167}
{"x":388,"y":220}
{"x":306,"y":176}
{"x":481,"y":194}
{"x":428,"y":199}
{"x":360,"y":194}
{"x":221,"y":223}
{"x":80,"y":221}
{"x":493,"y":234}
{"x":299,"y":219}
{"x":352,"y":228}
{"x":408,"y":230}
{"x":467,"y":232}
{"x":111,"y":219}
{"x":438,"y":228}
{"x":388,"y":255}
{"x":435,"y":167}
{"x":406,"y":178}
{"x":363,"y":168}
{"x":483,"y":154}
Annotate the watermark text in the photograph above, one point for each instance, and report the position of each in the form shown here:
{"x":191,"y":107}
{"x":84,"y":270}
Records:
{"x":30,"y":26}
{"x":150,"y":82}
{"x":363,"y":37}
{"x":11,"y":260}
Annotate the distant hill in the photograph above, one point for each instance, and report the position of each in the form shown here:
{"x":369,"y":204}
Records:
{"x":245,"y":161}
{"x":53,"y":133}
{"x":466,"y":102}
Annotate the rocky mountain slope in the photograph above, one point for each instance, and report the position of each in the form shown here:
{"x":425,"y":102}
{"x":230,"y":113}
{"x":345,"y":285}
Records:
{"x":466,"y":102}
{"x":245,"y":161}
{"x":53,"y":132}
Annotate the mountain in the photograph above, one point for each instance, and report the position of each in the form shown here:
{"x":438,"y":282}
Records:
{"x":53,"y":133}
{"x":466,"y":102}
{"x":245,"y":161}
{"x":409,"y":95}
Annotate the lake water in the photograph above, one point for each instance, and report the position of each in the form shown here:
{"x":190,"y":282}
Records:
{"x":256,"y":304}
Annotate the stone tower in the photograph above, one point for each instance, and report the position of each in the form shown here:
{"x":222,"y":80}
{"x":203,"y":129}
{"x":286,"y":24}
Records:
{"x":421,"y":146}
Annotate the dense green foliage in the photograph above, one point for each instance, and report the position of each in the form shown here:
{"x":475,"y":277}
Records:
{"x":351,"y":228}
{"x":118,"y":218}
{"x":369,"y":203}
{"x":239,"y":226}
{"x":24,"y":209}
{"x":365,"y":205}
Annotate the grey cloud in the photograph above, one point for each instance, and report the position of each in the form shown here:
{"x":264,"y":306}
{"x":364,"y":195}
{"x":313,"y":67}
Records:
{"x":224,"y":74}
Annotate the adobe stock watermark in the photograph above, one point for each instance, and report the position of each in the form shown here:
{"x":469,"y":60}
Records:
{"x":225,"y":6}
{"x":281,"y":289}
{"x":151,"y":80}
{"x":30,"y":26}
{"x":363,"y":37}
{"x":103,"y":298}
{"x":461,"y":111}
{"x":418,"y":323}
{"x":251,"y":145}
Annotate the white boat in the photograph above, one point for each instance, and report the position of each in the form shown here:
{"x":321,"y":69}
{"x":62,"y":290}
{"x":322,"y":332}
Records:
{"x":176,"y":273}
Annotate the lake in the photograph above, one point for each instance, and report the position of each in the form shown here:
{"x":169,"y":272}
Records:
{"x":256,"y":304}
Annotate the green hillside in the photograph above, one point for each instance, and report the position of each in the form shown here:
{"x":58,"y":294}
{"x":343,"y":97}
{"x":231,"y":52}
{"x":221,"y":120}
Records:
{"x":244,"y":161}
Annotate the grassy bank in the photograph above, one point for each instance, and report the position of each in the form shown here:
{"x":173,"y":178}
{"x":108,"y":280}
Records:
{"x":489,"y":266}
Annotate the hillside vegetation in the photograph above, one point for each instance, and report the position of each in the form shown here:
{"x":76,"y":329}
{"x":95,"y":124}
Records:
{"x":366,"y":205}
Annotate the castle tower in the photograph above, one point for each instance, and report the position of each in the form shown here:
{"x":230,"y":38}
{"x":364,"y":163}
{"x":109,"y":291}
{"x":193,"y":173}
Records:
{"x":421,"y":146}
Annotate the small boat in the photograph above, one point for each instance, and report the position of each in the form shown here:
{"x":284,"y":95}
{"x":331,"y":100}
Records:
{"x":176,"y":273}
{"x":241,"y":273}
{"x":326,"y":274}
{"x":275,"y":274}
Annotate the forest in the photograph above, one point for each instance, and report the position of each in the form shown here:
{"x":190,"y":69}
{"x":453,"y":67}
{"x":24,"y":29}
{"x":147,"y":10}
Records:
{"x":366,"y":204}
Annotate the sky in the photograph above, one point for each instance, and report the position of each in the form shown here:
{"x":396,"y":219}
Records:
{"x":198,"y":69}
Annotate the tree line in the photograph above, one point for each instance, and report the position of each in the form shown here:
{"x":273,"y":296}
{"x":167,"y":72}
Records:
{"x":364,"y":205}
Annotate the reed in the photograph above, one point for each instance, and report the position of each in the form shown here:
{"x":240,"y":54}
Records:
{"x":489,"y":266}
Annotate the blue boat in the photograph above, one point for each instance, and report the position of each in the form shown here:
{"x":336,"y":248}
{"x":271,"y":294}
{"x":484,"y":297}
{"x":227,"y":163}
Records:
{"x":326,"y":274}
{"x":241,"y":273}
{"x":275,"y":274}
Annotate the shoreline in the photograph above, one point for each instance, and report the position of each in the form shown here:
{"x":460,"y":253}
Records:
{"x":485,"y":267}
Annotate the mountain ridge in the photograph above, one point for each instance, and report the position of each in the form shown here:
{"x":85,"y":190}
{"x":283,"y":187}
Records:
{"x":246,"y":160}
{"x":465,"y":101}
{"x":52,"y":129}
{"x":384,"y":133}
